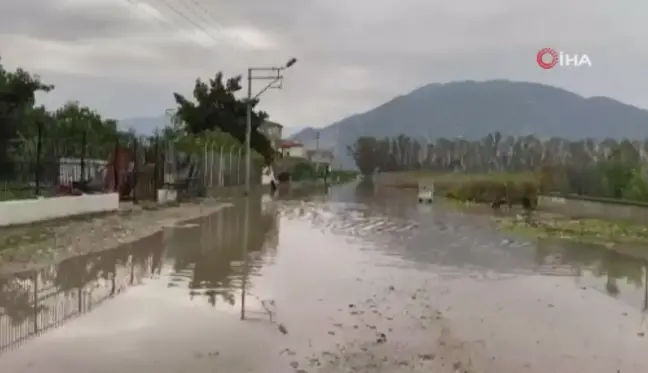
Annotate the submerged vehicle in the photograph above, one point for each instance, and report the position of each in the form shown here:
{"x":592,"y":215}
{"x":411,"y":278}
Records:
{"x":425,"y":192}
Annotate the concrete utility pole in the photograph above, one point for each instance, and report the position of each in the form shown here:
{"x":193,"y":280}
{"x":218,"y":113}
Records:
{"x":275,"y":78}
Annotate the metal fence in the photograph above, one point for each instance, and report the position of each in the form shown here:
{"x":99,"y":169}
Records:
{"x":136,"y":167}
{"x":224,"y":166}
{"x":37,"y":165}
{"x":85,"y":163}
{"x":33,"y":302}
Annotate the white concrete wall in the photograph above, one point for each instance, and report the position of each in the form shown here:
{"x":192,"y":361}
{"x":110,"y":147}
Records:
{"x":296,"y":151}
{"x":167,"y":195}
{"x":33,"y":210}
{"x":597,"y":208}
{"x":70,"y":169}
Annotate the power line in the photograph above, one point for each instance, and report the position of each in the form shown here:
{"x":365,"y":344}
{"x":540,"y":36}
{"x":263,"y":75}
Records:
{"x":211,"y":21}
{"x":194,"y":25}
{"x":162,"y":21}
{"x":188,"y":19}
{"x":215,"y":21}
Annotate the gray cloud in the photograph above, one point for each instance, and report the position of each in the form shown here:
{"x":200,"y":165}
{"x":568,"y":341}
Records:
{"x":353,"y":55}
{"x":69,"y":20}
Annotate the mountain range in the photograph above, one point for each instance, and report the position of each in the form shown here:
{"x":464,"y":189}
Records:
{"x":472,"y":109}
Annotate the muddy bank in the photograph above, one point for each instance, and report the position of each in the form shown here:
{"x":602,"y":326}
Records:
{"x":45,"y":243}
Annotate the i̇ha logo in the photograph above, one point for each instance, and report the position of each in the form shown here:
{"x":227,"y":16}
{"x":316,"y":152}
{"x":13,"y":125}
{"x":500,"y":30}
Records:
{"x":548,"y":58}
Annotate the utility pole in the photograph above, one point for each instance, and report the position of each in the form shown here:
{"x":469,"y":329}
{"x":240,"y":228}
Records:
{"x":317,"y":137}
{"x":277,"y":77}
{"x":248,"y":134}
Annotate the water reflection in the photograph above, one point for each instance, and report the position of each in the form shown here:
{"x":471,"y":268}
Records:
{"x":620,"y":275}
{"x":215,"y":256}
{"x":456,"y":243}
{"x":32,"y":302}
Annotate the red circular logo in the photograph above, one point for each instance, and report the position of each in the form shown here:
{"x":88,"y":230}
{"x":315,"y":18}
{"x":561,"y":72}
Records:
{"x":547,"y":64}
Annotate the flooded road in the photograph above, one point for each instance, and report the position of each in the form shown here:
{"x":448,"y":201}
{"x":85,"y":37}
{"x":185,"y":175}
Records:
{"x":349,"y":281}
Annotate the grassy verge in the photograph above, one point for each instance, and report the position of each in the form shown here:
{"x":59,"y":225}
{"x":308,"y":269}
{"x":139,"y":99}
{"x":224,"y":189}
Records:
{"x":14,"y":194}
{"x":477,"y":188}
{"x":591,"y":231}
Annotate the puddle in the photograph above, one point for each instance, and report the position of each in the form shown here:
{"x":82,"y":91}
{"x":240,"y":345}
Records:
{"x":344,"y":281}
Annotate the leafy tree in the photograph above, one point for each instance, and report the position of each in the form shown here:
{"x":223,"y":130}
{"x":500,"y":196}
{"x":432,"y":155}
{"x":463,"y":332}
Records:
{"x":74,"y":125}
{"x":637,"y":186}
{"x":217,"y":109}
{"x":608,"y":168}
{"x":17,"y":96}
{"x":366,"y":153}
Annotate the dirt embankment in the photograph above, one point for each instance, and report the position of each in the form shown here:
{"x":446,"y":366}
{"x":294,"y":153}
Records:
{"x":40,"y":244}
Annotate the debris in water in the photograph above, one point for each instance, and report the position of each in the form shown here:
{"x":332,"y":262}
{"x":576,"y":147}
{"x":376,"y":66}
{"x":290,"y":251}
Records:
{"x":283,"y":329}
{"x":382,"y":338}
{"x":288,"y":352}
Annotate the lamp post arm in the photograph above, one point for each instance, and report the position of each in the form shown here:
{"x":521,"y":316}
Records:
{"x":266,"y":88}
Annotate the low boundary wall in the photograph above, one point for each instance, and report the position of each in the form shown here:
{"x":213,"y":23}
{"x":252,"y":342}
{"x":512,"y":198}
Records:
{"x":27,"y":211}
{"x":602,"y":208}
{"x":165,"y":196}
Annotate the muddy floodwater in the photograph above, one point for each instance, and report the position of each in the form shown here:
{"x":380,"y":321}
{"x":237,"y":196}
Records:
{"x":349,"y":281}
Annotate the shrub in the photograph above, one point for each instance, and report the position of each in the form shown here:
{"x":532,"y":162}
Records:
{"x":509,"y":192}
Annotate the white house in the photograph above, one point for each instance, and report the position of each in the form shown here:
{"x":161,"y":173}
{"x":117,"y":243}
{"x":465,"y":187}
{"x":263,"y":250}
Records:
{"x":320,"y":156}
{"x":273,"y":132}
{"x":293,"y":149}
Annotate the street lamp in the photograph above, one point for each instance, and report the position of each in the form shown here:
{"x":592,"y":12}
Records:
{"x":274,"y":77}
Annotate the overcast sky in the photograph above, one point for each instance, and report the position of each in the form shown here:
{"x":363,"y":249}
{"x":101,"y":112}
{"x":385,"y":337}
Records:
{"x":125,"y":58}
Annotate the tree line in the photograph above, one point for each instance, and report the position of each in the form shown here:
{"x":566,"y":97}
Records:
{"x":213,"y":114}
{"x":608,"y":168}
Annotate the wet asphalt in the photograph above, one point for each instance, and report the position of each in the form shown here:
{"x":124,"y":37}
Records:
{"x":351,"y":280}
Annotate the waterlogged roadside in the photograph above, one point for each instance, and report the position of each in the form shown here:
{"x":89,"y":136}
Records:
{"x":32,"y":246}
{"x":550,"y":225}
{"x":591,"y":231}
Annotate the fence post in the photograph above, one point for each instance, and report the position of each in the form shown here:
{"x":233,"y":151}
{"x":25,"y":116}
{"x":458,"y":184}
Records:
{"x":211,"y":166}
{"x":135,"y":169}
{"x":36,"y":309}
{"x":238,"y":167}
{"x":84,"y":145}
{"x":204,"y":178}
{"x":156,"y":166}
{"x":221,"y":179}
{"x":229,"y":169}
{"x":39,"y":150}
{"x":115,"y":168}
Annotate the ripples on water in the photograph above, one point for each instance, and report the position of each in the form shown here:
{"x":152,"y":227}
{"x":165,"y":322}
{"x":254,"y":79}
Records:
{"x":207,"y":258}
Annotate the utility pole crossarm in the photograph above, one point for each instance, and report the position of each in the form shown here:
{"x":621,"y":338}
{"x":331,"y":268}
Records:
{"x":250,"y":99}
